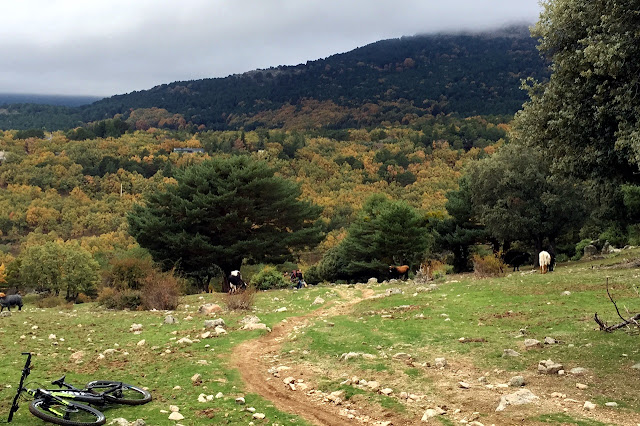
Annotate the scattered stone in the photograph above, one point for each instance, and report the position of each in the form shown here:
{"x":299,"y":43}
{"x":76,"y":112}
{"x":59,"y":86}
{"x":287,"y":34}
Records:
{"x":558,"y":395}
{"x":170,"y":319}
{"x":119,"y":422}
{"x":283,"y":309}
{"x":185,"y":341}
{"x":135,"y":327}
{"x":219,"y":395}
{"x":510,"y":352}
{"x":611,"y":404}
{"x":240,"y":400}
{"x":255,"y":326}
{"x":250,"y":319}
{"x":636,"y":367}
{"x":588,"y":406}
{"x":532,"y":343}
{"x":392,"y":291}
{"x":209,"y":308}
{"x":202,"y":398}
{"x":373,"y":385}
{"x":402,"y":355}
{"x":517,"y":382}
{"x":258,"y":416}
{"x":430,"y":413}
{"x":386,"y":391}
{"x":141,"y":342}
{"x":176,"y":416}
{"x":138,"y":422}
{"x":318,"y":301}
{"x":581,"y":386}
{"x":5,"y":314}
{"x":372,"y":281}
{"x":578,"y":371}
{"x":174,"y":408}
{"x":523,"y":396}
{"x":77,"y":357}
{"x":196,"y":379}
{"x":464,"y":385}
{"x":550,"y":341}
{"x":205,"y":335}
{"x":219,"y":331}
{"x":566,"y":293}
{"x":549,"y":367}
{"x":440,"y":362}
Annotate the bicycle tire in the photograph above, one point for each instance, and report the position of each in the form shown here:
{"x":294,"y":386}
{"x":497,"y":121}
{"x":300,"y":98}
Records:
{"x":74,"y":414}
{"x":127,"y":395}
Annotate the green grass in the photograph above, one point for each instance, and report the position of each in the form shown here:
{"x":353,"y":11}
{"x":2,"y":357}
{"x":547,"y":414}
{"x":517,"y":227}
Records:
{"x":413,"y":322}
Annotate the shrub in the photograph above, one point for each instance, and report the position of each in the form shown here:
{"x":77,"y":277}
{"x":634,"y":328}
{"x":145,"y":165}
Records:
{"x":269,"y":278}
{"x":128,"y":273}
{"x":487,"y":266}
{"x":83,"y":298}
{"x":241,"y":301}
{"x":53,"y":302}
{"x":110,"y":298}
{"x":161,"y":290}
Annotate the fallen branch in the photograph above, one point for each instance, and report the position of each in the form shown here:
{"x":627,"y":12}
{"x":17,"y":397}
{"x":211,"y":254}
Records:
{"x":603,"y":325}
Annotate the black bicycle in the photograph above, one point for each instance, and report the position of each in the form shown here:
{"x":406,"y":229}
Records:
{"x":59,"y":406}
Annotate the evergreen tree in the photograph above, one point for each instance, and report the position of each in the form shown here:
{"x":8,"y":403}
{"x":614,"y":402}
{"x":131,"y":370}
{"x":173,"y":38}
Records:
{"x":222,"y":213}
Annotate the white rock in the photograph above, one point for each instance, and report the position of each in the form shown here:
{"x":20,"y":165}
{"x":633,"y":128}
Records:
{"x":430,"y":413}
{"x":588,"y":406}
{"x":219,"y":395}
{"x":318,"y":301}
{"x":141,"y":342}
{"x":258,"y":416}
{"x":283,"y":309}
{"x":523,"y":396}
{"x":176,"y":416}
{"x":240,"y":400}
{"x":174,"y":408}
{"x":185,"y":341}
{"x":611,"y":404}
{"x":581,"y":386}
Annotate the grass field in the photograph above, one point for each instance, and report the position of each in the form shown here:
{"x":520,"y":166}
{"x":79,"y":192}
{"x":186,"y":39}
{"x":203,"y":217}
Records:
{"x":488,"y":313}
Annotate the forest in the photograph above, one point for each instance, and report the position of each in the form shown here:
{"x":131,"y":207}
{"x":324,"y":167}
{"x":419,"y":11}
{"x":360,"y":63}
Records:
{"x":98,"y":209}
{"x":388,"y":81}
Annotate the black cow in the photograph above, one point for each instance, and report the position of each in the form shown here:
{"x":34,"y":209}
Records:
{"x":516,"y":259}
{"x":9,"y":301}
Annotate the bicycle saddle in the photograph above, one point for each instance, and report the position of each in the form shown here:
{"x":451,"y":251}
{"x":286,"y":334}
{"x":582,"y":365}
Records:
{"x":59,"y":382}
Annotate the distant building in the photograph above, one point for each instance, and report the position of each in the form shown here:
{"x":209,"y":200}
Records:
{"x":188,"y":150}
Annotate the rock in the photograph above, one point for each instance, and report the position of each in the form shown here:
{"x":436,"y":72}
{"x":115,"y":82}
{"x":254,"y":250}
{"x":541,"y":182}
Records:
{"x":135,"y":327}
{"x":440,"y":362}
{"x":283,"y":309}
{"x":517,"y":381}
{"x":174,"y":408}
{"x":255,"y":326}
{"x":219,"y":331}
{"x":636,"y":367}
{"x":550,"y":341}
{"x":581,"y":386}
{"x":196,"y":379}
{"x":386,"y":391}
{"x":202,"y":398}
{"x":373,"y":385}
{"x":318,"y":301}
{"x":532,"y":343}
{"x":590,"y":251}
{"x":170,"y":319}
{"x":578,"y":371}
{"x":185,"y":341}
{"x":402,"y":355}
{"x":350,"y":355}
{"x":588,"y":406}
{"x":372,"y":281}
{"x":5,"y":314}
{"x":219,"y":395}
{"x":464,"y":385}
{"x":141,"y":342}
{"x":510,"y":352}
{"x":523,"y":396}
{"x":209,"y":308}
{"x":205,"y":335}
{"x":250,"y":319}
{"x":77,"y":357}
{"x":611,"y":404}
{"x":430,"y":413}
{"x":392,"y":291}
{"x":549,"y":367}
{"x":240,"y":400}
{"x":119,"y":422}
{"x":288,"y":380}
{"x":138,"y":422}
{"x":558,"y":395}
{"x":176,"y":416}
{"x":566,"y":293}
{"x":258,"y":416}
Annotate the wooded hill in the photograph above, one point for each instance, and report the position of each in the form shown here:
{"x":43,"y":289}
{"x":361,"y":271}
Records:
{"x":392,"y":81}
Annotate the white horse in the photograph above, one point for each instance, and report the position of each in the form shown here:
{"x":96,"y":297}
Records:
{"x":544,"y":259}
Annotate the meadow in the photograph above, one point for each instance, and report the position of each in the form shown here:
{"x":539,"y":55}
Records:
{"x":396,"y":331}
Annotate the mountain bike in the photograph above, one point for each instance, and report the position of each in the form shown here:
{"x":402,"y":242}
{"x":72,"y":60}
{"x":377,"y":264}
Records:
{"x":59,"y":406}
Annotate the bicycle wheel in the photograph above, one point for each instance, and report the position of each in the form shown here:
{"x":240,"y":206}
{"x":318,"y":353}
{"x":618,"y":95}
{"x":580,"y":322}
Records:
{"x":72,"y":414}
{"x":122,"y":393}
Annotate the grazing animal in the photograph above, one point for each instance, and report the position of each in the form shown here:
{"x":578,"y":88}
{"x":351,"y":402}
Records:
{"x":9,"y":301}
{"x":400,"y":272}
{"x":516,"y":259}
{"x":236,"y":283}
{"x":545,"y":260}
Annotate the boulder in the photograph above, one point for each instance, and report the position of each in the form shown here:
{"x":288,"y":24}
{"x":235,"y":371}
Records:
{"x":170,"y":319}
{"x":549,"y":367}
{"x":590,"y":251}
{"x":209,"y":308}
{"x":523,"y":396}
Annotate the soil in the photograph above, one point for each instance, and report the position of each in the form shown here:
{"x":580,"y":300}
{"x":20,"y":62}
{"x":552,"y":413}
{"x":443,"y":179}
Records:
{"x":255,"y":358}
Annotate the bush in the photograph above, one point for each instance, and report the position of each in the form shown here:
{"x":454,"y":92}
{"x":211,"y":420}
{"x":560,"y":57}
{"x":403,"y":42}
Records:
{"x":110,"y":298}
{"x":616,"y":236}
{"x":161,"y":290}
{"x":487,"y":266}
{"x":241,"y":301}
{"x":83,"y":298}
{"x":269,"y":278}
{"x":128,"y":273}
{"x":53,"y":302}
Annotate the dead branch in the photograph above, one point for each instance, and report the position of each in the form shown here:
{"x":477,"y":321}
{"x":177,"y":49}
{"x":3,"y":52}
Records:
{"x":603,"y":325}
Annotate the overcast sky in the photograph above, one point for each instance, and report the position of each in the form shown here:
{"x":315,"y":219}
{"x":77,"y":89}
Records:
{"x":103,"y":48}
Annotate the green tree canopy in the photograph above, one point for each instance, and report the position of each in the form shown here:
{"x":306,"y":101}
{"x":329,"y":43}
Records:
{"x":586,"y":116}
{"x":222,"y":213}
{"x":517,"y":199}
{"x":386,"y":232}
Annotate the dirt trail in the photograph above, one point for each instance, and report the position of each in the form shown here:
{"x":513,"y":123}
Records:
{"x":251,"y":359}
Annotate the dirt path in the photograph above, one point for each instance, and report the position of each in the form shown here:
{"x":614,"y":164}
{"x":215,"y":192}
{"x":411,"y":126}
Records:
{"x":252,"y":358}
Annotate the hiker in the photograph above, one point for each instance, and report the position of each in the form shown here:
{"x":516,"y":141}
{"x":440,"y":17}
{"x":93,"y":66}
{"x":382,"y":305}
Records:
{"x":296,"y":276}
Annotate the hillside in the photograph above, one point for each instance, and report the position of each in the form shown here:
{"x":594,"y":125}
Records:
{"x":391,"y":80}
